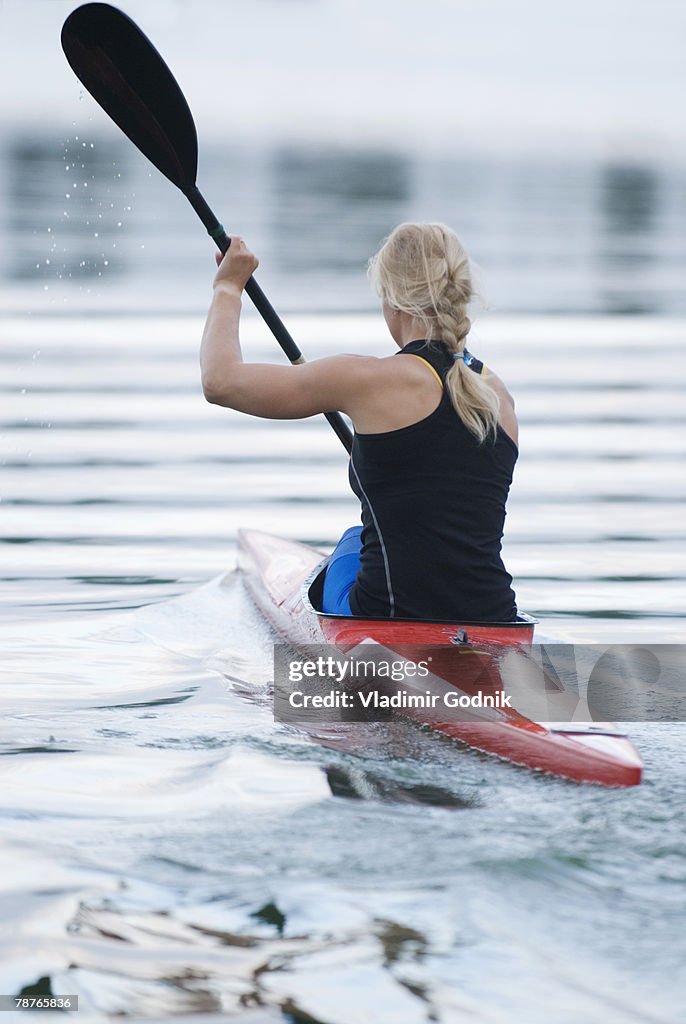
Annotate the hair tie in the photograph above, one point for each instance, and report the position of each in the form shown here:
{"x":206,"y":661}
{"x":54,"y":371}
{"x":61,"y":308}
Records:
{"x":464,"y":356}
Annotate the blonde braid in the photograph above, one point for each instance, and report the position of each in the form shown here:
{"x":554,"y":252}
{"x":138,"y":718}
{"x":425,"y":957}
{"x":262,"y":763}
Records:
{"x":423,"y":270}
{"x":475,"y":401}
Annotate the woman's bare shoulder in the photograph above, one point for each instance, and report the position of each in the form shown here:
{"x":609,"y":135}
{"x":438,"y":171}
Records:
{"x":508,"y":417}
{"x":499,"y":387}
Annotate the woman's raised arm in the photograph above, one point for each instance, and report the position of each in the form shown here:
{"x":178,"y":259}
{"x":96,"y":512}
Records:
{"x":337,"y":383}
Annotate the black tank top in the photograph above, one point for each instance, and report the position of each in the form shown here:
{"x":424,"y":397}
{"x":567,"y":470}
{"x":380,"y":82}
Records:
{"x":433,"y":509}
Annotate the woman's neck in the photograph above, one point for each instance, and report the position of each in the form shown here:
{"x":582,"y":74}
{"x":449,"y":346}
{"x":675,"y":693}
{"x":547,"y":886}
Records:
{"x":404,"y":327}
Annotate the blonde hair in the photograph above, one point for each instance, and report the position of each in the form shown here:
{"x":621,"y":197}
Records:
{"x":422,"y":269}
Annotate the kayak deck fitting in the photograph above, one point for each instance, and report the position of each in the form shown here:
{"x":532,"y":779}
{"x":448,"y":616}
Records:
{"x":285,"y":581}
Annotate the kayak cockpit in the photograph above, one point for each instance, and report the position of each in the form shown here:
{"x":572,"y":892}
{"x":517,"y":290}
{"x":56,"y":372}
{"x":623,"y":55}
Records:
{"x":520,"y":631}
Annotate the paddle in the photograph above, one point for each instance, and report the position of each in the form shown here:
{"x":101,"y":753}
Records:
{"x":125,"y":74}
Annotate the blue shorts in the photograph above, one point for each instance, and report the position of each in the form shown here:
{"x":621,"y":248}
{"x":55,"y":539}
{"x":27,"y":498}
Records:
{"x":341,"y":572}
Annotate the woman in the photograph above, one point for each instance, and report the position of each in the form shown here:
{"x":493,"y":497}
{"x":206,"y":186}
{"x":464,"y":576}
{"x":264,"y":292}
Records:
{"x":435,"y":435}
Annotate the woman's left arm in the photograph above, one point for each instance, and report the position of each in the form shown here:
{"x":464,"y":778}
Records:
{"x":338,"y":383}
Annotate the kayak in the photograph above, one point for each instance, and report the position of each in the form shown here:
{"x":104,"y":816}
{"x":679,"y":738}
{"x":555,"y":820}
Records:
{"x":285,"y":580}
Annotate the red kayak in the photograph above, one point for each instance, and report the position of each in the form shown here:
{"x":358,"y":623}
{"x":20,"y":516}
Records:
{"x":285,"y":580}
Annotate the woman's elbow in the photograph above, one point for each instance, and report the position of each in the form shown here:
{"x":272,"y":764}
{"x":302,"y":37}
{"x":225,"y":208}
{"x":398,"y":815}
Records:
{"x":215,"y":393}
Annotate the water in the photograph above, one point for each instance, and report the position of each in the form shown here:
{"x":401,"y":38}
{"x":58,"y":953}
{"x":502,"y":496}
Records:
{"x":90,"y":226}
{"x":167,"y":849}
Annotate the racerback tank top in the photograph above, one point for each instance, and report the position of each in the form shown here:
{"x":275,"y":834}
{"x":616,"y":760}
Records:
{"x":433,"y":510}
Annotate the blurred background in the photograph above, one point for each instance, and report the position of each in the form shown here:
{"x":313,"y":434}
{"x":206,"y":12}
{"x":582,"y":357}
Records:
{"x":550,"y":136}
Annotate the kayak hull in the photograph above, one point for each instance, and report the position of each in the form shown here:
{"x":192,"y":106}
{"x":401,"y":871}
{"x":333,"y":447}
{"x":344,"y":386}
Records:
{"x":284,"y":579}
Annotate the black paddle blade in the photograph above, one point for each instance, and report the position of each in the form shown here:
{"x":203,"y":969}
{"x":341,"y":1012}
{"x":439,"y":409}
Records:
{"x":125,"y":74}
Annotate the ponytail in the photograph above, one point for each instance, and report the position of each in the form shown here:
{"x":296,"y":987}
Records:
{"x":474,"y":401}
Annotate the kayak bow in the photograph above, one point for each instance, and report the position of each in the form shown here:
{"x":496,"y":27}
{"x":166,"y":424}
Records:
{"x":285,"y":580}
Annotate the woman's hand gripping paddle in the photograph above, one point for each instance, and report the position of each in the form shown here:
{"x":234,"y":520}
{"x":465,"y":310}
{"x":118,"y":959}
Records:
{"x":125,"y":74}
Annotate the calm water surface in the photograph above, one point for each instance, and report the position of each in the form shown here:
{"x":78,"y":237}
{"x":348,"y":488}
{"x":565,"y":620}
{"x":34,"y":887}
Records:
{"x":167,"y":849}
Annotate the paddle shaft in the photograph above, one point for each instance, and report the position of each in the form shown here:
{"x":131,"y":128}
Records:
{"x":262,"y":304}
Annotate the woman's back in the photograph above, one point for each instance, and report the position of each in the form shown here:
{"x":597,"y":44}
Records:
{"x":433,"y":508}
